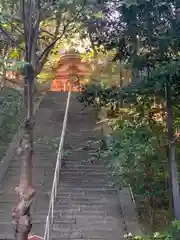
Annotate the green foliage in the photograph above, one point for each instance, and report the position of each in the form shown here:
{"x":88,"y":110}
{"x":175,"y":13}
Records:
{"x":172,"y":233}
{"x":98,"y":96}
{"x":16,"y":66}
{"x":12,"y":116}
{"x":136,"y":148}
{"x":137,"y":141}
{"x":57,"y":19}
{"x":11,"y":102}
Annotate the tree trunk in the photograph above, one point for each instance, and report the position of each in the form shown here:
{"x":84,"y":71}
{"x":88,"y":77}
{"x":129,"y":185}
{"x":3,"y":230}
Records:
{"x":21,"y":214}
{"x":120,"y":85}
{"x":174,"y":184}
{"x":92,"y":43}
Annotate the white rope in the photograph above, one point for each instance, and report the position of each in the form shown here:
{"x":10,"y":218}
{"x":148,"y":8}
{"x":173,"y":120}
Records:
{"x":50,"y":216}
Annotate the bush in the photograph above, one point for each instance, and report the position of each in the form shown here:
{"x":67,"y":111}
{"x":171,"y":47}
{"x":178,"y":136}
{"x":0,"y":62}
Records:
{"x":172,"y":233}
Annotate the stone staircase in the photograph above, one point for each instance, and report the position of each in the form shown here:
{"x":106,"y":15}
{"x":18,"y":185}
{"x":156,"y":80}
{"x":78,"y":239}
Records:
{"x":87,"y":207}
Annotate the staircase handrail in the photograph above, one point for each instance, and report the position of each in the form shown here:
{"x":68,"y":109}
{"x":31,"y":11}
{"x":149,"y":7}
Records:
{"x":50,"y":215}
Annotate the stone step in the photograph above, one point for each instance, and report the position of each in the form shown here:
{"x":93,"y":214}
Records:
{"x":39,"y":185}
{"x":15,"y":167}
{"x":71,"y":224}
{"x":74,"y":213}
{"x":46,"y":164}
{"x":84,"y":185}
{"x":75,"y":156}
{"x":78,"y":167}
{"x":74,"y":219}
{"x":84,"y":169}
{"x":67,"y":219}
{"x":78,"y":143}
{"x":36,"y":177}
{"x":84,"y":172}
{"x":90,"y":234}
{"x":43,"y":168}
{"x":6,"y":221}
{"x":83,"y":205}
{"x":6,"y":236}
{"x":56,"y":237}
{"x":86,"y":197}
{"x":77,"y":207}
{"x":7,"y":228}
{"x":63,"y":194}
{"x":63,"y":228}
{"x":79,"y":212}
{"x":84,"y":180}
{"x":5,"y":206}
{"x":83,"y":163}
{"x":86,"y":194}
{"x":6,"y":200}
{"x":65,"y":197}
{"x":82,"y":190}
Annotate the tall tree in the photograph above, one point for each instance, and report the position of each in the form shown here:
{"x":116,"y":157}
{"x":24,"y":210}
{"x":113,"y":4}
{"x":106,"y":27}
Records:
{"x":146,"y":36}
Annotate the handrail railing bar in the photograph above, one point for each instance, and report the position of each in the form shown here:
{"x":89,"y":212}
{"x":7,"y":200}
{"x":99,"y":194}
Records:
{"x":57,"y":179}
{"x":56,"y":174}
{"x":52,"y":208}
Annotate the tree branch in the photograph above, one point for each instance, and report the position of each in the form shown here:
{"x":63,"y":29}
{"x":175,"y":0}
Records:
{"x":8,"y":39}
{"x":11,"y":17}
{"x":45,"y":31}
{"x":175,"y":139}
{"x":43,"y":57}
{"x":15,"y":27}
{"x":177,"y":107}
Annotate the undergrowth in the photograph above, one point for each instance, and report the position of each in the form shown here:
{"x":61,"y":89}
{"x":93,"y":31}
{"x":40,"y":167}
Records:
{"x":11,"y":116}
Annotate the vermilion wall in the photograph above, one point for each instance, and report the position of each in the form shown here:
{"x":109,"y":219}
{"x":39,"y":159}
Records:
{"x":60,"y":85}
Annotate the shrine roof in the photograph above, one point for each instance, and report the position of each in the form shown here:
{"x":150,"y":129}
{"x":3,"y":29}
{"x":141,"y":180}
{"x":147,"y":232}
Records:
{"x":72,"y":62}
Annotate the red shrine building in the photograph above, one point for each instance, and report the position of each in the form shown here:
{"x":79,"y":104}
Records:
{"x":71,"y":72}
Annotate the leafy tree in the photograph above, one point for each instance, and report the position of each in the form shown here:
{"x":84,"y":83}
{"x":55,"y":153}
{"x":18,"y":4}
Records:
{"x":146,"y":37}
